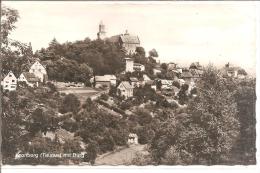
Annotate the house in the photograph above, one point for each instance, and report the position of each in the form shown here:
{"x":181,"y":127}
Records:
{"x":196,"y":70}
{"x":132,"y":138}
{"x":233,"y":71}
{"x":126,"y":41}
{"x":134,"y":82}
{"x":29,"y":78}
{"x":146,"y":78}
{"x":138,"y":67}
{"x":186,"y":75}
{"x":196,"y":65}
{"x":39,"y":71}
{"x":166,"y":84}
{"x":61,"y":135}
{"x":157,"y":71}
{"x":9,"y":82}
{"x":152,"y":84}
{"x":105,"y":81}
{"x":125,"y":89}
{"x":171,"y":66}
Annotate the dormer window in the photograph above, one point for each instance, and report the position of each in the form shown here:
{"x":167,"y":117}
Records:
{"x":10,"y":75}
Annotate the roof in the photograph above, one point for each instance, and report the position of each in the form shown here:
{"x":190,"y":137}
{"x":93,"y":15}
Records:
{"x":130,"y":39}
{"x":196,"y":72}
{"x":111,"y":76}
{"x":105,"y":78}
{"x":30,"y":77}
{"x":126,"y":85}
{"x":133,"y":79}
{"x":137,"y":64}
{"x":186,"y":74}
{"x":196,"y":65}
{"x":166,"y":82}
{"x":114,"y":38}
{"x":146,"y":77}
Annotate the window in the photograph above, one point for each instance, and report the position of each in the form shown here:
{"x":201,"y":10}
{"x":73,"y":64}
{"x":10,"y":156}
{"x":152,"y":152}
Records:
{"x":6,"y":86}
{"x":33,"y":70}
{"x":39,"y":70}
{"x":10,"y":75}
{"x":7,"y":82}
{"x":12,"y":86}
{"x":12,"y":80}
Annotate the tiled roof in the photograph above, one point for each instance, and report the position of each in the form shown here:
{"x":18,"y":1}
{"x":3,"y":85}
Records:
{"x":196,"y":65}
{"x":130,"y":39}
{"x":30,"y":77}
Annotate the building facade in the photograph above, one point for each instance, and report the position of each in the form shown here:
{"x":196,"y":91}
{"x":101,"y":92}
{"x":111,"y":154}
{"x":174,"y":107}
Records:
{"x":101,"y":31}
{"x":9,"y":82}
{"x":125,"y":89}
{"x":29,"y":78}
{"x":39,"y":71}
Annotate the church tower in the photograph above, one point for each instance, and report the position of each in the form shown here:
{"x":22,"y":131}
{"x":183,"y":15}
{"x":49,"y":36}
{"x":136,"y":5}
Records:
{"x":101,"y":31}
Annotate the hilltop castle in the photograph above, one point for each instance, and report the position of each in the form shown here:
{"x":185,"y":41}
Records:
{"x":126,"y":41}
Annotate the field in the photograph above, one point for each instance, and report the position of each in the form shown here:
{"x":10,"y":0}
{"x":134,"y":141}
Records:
{"x":82,"y":93}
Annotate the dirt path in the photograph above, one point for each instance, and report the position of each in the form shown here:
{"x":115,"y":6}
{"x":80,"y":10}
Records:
{"x":121,"y":157}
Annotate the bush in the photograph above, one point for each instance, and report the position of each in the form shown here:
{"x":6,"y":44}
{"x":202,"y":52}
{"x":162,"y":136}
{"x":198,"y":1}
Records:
{"x":70,"y":103}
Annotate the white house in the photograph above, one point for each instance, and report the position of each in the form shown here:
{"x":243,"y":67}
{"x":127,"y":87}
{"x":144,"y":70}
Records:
{"x":132,"y":138}
{"x":157,"y":71}
{"x":106,"y":80}
{"x":125,"y":89}
{"x":166,"y":84}
{"x":139,"y":67}
{"x":29,"y":78}
{"x":39,"y":71}
{"x":9,"y":82}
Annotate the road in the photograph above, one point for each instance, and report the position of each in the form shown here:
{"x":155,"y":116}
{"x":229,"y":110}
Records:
{"x":121,"y":157}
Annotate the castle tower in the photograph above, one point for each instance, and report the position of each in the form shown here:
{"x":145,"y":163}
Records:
{"x":129,"y":65}
{"x":101,"y":31}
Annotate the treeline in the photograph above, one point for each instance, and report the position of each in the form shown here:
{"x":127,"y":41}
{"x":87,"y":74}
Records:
{"x":77,"y":61}
{"x":217,"y":127}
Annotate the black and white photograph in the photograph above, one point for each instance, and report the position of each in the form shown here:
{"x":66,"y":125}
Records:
{"x":128,"y":83}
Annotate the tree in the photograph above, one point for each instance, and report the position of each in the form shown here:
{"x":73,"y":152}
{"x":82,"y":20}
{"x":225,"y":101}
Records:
{"x":153,"y":53}
{"x":16,"y":56}
{"x":91,"y":153}
{"x":245,"y":96}
{"x":70,"y":103}
{"x":164,"y":66}
{"x":183,"y":95}
{"x":205,"y":134}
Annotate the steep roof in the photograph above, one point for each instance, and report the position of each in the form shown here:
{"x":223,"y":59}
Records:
{"x":196,"y":65}
{"x":30,"y":77}
{"x":130,"y":39}
{"x":126,"y":85}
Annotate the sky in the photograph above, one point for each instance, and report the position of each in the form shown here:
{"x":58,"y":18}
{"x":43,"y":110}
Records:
{"x":181,"y":32}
